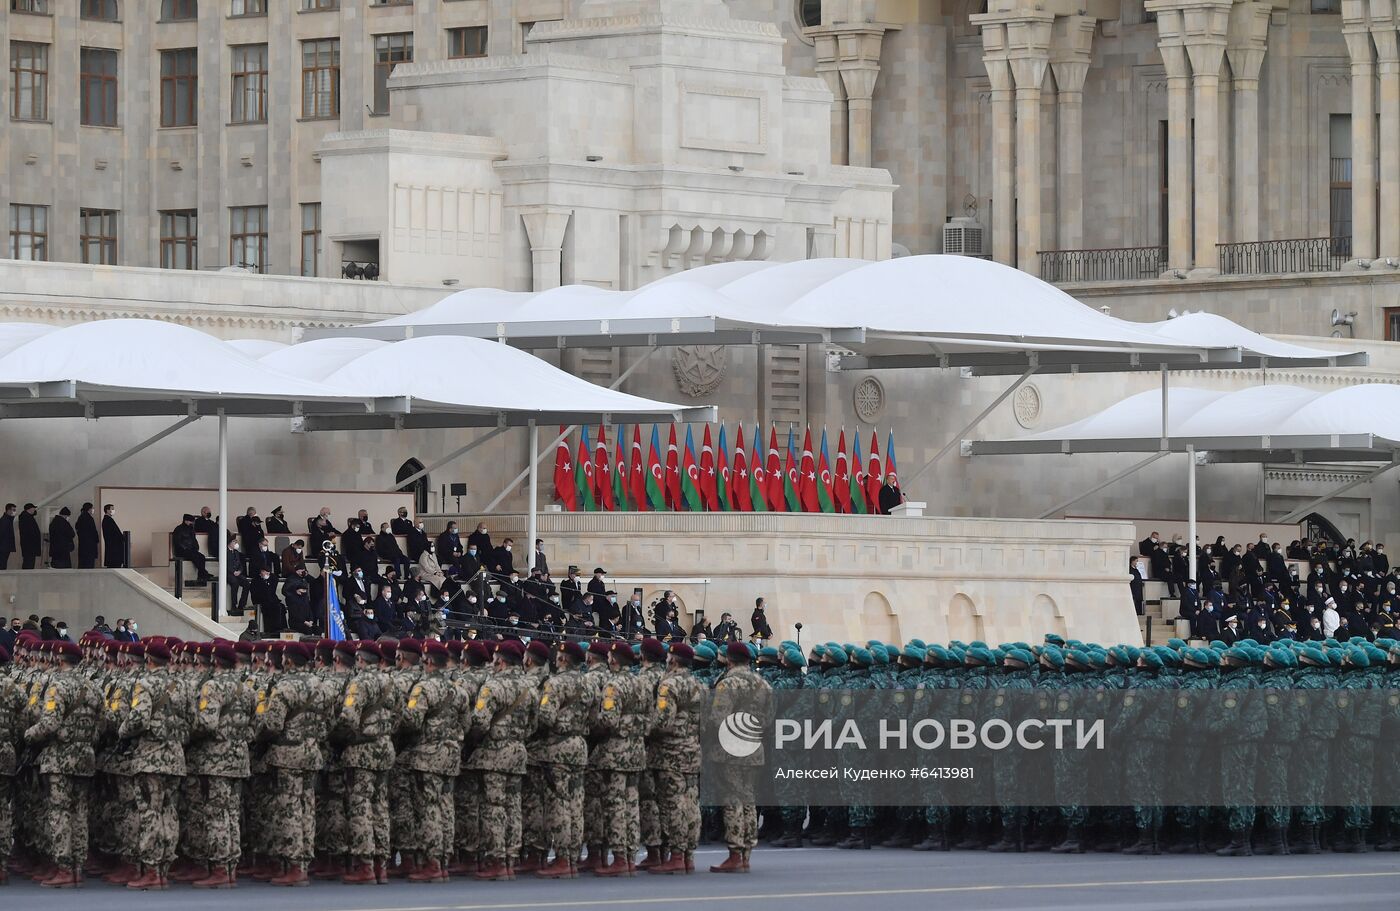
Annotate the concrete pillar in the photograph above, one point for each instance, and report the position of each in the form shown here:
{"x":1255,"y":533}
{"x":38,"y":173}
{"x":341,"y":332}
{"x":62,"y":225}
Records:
{"x":1363,"y":141}
{"x":545,"y":225}
{"x":1388,"y":66}
{"x":1205,"y":61}
{"x":1029,"y":74}
{"x":1179,"y":252}
{"x":1003,"y":162}
{"x":859,"y":82}
{"x":1249,"y":29}
{"x":1069,"y":61}
{"x":839,"y":117}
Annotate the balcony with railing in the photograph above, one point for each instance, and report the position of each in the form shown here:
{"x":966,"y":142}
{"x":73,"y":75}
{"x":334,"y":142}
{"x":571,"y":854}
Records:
{"x":1120,"y":264}
{"x":1284,"y":257}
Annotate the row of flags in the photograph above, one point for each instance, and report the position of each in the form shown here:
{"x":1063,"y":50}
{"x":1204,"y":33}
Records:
{"x":790,"y":480}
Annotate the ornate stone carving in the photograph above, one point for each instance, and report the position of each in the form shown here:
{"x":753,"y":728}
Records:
{"x":699,"y":368}
{"x":1027,"y":404}
{"x":869,"y":396}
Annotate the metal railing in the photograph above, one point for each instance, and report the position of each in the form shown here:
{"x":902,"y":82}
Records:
{"x":1281,"y":257}
{"x":1116,"y":264}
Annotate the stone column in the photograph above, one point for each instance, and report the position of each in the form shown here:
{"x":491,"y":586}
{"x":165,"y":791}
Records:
{"x":545,"y":225}
{"x":1363,"y":140}
{"x":1249,"y":29}
{"x":1178,"y":69}
{"x":1003,"y":162}
{"x":860,"y":87}
{"x":1069,"y":61}
{"x":828,"y":69}
{"x":1205,"y":27}
{"x":1029,"y":74}
{"x":1388,"y":66}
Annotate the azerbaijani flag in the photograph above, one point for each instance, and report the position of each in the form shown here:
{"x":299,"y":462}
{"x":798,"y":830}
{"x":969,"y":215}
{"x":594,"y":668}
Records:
{"x":620,"y":472}
{"x":891,"y":475}
{"x":791,"y":480}
{"x":690,"y":478}
{"x":724,"y":492}
{"x":584,"y":478}
{"x":758,"y":483}
{"x":656,"y":477}
{"x":856,"y":492}
{"x":825,"y":500}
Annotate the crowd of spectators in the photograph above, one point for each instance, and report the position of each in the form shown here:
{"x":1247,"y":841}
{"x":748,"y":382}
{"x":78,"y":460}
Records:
{"x":82,"y":542}
{"x":1258,"y":592}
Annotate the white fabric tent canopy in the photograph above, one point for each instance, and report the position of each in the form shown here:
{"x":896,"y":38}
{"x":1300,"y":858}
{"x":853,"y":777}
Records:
{"x":917,"y":311}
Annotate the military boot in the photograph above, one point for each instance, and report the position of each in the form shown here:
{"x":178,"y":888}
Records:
{"x":187,"y":871}
{"x":430,"y":872}
{"x":858,"y":840}
{"x":1353,"y":842}
{"x":1146,"y":843}
{"x":296,"y":876}
{"x":561,"y":868}
{"x":152,"y":880}
{"x":597,"y":857}
{"x":652,"y":859}
{"x":671,"y":865}
{"x":621,"y":865}
{"x":64,"y":878}
{"x":936,"y":839}
{"x":530,"y":861}
{"x":1013,"y":840}
{"x":975,"y":838}
{"x":1275,"y":842}
{"x":1073,"y":843}
{"x":122,"y":874}
{"x":1238,"y":846}
{"x":493,"y":868}
{"x":220,"y":877}
{"x":734,"y":863}
{"x":792,"y":836}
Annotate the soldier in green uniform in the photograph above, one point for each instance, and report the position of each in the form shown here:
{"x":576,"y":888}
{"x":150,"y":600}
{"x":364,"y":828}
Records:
{"x":471,"y":672}
{"x":365,"y":722}
{"x":620,"y":725}
{"x":1356,"y":754}
{"x":1237,"y":717}
{"x":332,"y":824}
{"x":158,"y":725}
{"x":10,"y":731}
{"x":433,"y":725}
{"x":653,"y":664}
{"x":533,"y":809}
{"x":739,"y":690}
{"x":596,"y":674}
{"x":566,"y":702}
{"x":674,"y":753}
{"x":1144,"y":722}
{"x":1276,"y":750}
{"x":286,"y":716}
{"x":217,"y":757}
{"x":503,"y":716}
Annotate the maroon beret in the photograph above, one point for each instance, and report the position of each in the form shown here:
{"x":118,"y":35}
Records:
{"x":225,"y":655}
{"x":621,"y":651}
{"x":158,"y":651}
{"x":277,"y":646}
{"x":389,"y":649}
{"x":244,"y":648}
{"x":683,"y":651}
{"x":369,"y":647}
{"x":298,"y":652}
{"x":172,"y":640}
{"x":325,"y":648}
{"x":68,"y":649}
{"x":345,"y":647}
{"x":572,"y":649}
{"x":435,"y":649}
{"x":511,"y":648}
{"x":455,"y":647}
{"x":538,"y":649}
{"x":598,"y":647}
{"x":412,"y":646}
{"x":4,"y":655}
{"x":135,"y":649}
{"x":477,"y":652}
{"x":653,"y":650}
{"x":738,"y":651}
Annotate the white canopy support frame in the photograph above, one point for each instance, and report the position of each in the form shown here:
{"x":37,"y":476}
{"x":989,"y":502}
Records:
{"x":1308,"y":507}
{"x":117,"y":460}
{"x":1131,"y":470}
{"x":960,"y":435}
{"x":452,"y":456}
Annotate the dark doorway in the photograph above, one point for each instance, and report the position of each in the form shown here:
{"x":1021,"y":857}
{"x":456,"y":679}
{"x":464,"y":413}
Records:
{"x":419,"y":488}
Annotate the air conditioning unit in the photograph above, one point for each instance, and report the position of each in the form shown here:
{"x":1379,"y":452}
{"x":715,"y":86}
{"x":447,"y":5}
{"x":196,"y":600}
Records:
{"x":962,"y":236}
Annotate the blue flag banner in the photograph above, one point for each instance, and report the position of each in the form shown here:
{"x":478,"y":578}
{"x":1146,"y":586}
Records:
{"x":335,"y":620}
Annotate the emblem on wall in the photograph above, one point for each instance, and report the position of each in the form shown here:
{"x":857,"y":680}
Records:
{"x":699,"y":368}
{"x":869,"y":396}
{"x":1026,"y":404}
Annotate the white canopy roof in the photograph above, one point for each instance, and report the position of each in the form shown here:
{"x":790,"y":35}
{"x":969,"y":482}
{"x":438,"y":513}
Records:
{"x":148,"y":367}
{"x":1261,"y":423}
{"x":948,"y":311}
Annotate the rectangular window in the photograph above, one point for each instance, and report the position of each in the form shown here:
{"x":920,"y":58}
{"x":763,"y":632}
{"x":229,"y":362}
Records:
{"x":390,"y":2}
{"x":1163,"y":170}
{"x":29,"y":232}
{"x":320,"y":78}
{"x":247,"y":237}
{"x":179,"y":239}
{"x":249,"y":8}
{"x":29,"y":6}
{"x":311,"y":5}
{"x":389,"y":52}
{"x":178,"y":10}
{"x":1339,"y":184}
{"x":310,"y":238}
{"x":1392,"y":324}
{"x":98,"y":237}
{"x":1326,"y":6}
{"x":179,"y":76}
{"x":467,"y":42}
{"x":249,"y":83}
{"x":98,"y":82}
{"x":29,"y":80}
{"x":100,"y":10}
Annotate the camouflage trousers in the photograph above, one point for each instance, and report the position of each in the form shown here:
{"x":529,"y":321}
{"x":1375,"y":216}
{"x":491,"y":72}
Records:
{"x":1238,"y":766}
{"x":648,"y":821}
{"x":405,"y":828}
{"x":739,"y":811}
{"x":158,"y":819}
{"x":1274,"y":760}
{"x":7,"y":819}
{"x":499,"y":799}
{"x":534,"y":810}
{"x":593,"y":832}
{"x":331,"y":812}
{"x":28,"y":798}
{"x":466,"y":836}
{"x":367,"y":813}
{"x":432,"y":797}
{"x":1144,"y":772}
{"x":255,"y":825}
{"x":192,"y":843}
{"x":561,"y":792}
{"x":1308,"y":775}
{"x":292,"y":828}
{"x":678,"y":809}
{"x":1357,"y":755}
{"x":124,"y":826}
{"x":66,"y":819}
{"x":618,"y":812}
{"x":211,"y":819}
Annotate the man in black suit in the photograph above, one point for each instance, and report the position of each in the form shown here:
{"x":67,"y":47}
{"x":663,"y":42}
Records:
{"x":61,"y":538}
{"x":250,"y":530}
{"x":541,"y":561}
{"x":448,"y":547}
{"x":31,"y":540}
{"x":184,"y":545}
{"x":236,"y":574}
{"x":571,"y":591}
{"x":271,"y":612}
{"x":482,"y":540}
{"x":1135,"y":585}
{"x":206,"y":525}
{"x":501,"y":562}
{"x":88,"y":537}
{"x":7,"y":534}
{"x":113,"y":539}
{"x":1190,"y":601}
{"x":386,"y":546}
{"x":277,"y":522}
{"x":1149,"y":544}
{"x":417,"y":542}
{"x":401,"y":524}
{"x":296,"y":591}
{"x":1207,"y":623}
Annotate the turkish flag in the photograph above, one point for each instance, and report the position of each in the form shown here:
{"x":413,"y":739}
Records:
{"x":807,"y":481}
{"x":636,"y":472}
{"x":841,"y":484}
{"x":709,"y":493}
{"x":874,"y":477}
{"x":602,"y":473}
{"x":564,"y":474}
{"x":739,"y":489}
{"x":673,"y":473}
{"x":774,"y":468}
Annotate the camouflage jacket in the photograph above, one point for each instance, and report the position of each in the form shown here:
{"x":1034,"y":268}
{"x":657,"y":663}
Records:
{"x":675,"y":722}
{"x":622,"y":718}
{"x":566,"y":701}
{"x":503,"y":716}
{"x":433,"y":720}
{"x":67,"y":721}
{"x":286,"y":714}
{"x":158,"y":722}
{"x":11,"y":707}
{"x":468,"y":681}
{"x":741,"y":690}
{"x":368,"y":713}
{"x":221,"y":729}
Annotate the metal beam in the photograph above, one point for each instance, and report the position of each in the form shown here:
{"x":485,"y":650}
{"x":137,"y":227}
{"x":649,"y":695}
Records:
{"x":960,"y":435}
{"x":1308,"y":507}
{"x":1061,"y":507}
{"x":450,"y":457}
{"x":112,"y":463}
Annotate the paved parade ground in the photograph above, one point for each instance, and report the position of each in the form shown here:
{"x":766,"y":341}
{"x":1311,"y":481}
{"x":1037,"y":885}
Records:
{"x":824,"y":879}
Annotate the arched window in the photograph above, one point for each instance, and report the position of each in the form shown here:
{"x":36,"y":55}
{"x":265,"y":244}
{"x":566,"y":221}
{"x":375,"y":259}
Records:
{"x":809,"y":12}
{"x":419,"y":488}
{"x":1318,"y":527}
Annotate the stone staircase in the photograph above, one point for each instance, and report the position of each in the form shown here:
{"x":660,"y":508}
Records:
{"x":1161,"y":610}
{"x":197,"y":597}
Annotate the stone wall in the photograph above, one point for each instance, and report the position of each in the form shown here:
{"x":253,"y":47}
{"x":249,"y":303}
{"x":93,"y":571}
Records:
{"x":78,"y":595}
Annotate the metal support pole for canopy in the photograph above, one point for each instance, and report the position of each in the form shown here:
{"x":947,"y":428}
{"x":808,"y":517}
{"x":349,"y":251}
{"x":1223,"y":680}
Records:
{"x":112,"y":463}
{"x":1306,"y":508}
{"x":533,"y":521}
{"x":450,"y":457}
{"x":220,"y":599}
{"x":1190,"y":511}
{"x":490,"y":507}
{"x":1165,"y":432}
{"x":1101,"y":485}
{"x":962,"y":434}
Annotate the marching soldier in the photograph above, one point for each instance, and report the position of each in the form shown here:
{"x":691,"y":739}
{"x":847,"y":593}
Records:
{"x":434,"y":726}
{"x":673,"y":753}
{"x":366,"y":721}
{"x":619,"y":756}
{"x":157,"y":725}
{"x":566,"y":702}
{"x":286,"y":715}
{"x":218,"y":759}
{"x":740,"y":689}
{"x":503,"y":716}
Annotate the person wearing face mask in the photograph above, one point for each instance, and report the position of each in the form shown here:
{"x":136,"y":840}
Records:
{"x":428,"y":571}
{"x":502,"y":562}
{"x":271,"y":610}
{"x":448,"y":548}
{"x":1278,"y":567}
{"x":294,"y":557}
{"x":1346,"y":598}
{"x":367,"y":627}
{"x":113,"y":540}
{"x":1230,"y":632}
{"x":571,"y":592}
{"x":541,"y":562}
{"x":277,"y":522}
{"x":1381,"y":561}
{"x":1261,"y":550}
{"x":263,"y":558}
{"x":386,"y":546}
{"x":61,"y":632}
{"x":61,"y":539}
{"x":418,"y":542}
{"x":355,"y":585}
{"x":236,"y":575}
{"x":1331,"y":619}
{"x":469,"y":568}
{"x":401,"y":524}
{"x":482,"y":540}
{"x":88,"y":538}
{"x":296,"y":591}
{"x":250,"y":530}
{"x":609,"y":615}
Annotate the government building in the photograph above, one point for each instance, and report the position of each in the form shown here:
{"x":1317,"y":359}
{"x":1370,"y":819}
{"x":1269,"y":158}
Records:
{"x":260,"y":168}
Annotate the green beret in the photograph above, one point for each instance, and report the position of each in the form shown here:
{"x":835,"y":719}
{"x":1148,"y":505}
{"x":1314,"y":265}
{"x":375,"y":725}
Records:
{"x":792,"y":655}
{"x":1240,"y":652}
{"x":1281,"y":657}
{"x":979,"y":654}
{"x":753,"y":650}
{"x":1331,"y":643}
{"x":862,"y":657}
{"x":957,"y":653}
{"x":1313,"y":655}
{"x":1054,"y":656}
{"x":1376,"y":655}
{"x":1170,"y":656}
{"x":880,"y":654}
{"x":1357,"y":640}
{"x":1357,"y":657}
{"x":818,"y":650}
{"x":957,"y":643}
{"x":1074,"y":643}
{"x":914,"y":652}
{"x":1054,"y":639}
{"x":1177,"y":644}
{"x":835,"y":656}
{"x":977,"y":643}
{"x":939,"y":654}
{"x":1336,"y":656}
{"x":706,"y":650}
{"x":1218,"y":645}
{"x":768,"y":651}
{"x":1124,"y":654}
{"x":918,"y":643}
{"x":1252,"y":643}
{"x":1078,"y":657}
{"x":1023,"y":655}
{"x":1149,"y":658}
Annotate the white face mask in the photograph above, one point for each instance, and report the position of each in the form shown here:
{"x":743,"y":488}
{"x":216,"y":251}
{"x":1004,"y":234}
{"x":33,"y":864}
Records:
{"x":508,"y":548}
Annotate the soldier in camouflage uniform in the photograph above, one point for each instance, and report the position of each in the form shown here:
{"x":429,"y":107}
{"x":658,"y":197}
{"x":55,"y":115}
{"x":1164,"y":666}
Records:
{"x":534,"y":810}
{"x":739,"y":690}
{"x":405,"y":825}
{"x":433,"y":726}
{"x":365,"y":723}
{"x":11,"y":705}
{"x":503,"y":716}
{"x":653,"y":665}
{"x":675,"y":751}
{"x":596,"y":674}
{"x":566,"y":702}
{"x":289,"y":717}
{"x":332,"y":822}
{"x":158,"y":724}
{"x":217,"y":760}
{"x":63,"y":733}
{"x":473,"y":670}
{"x":619,"y":754}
